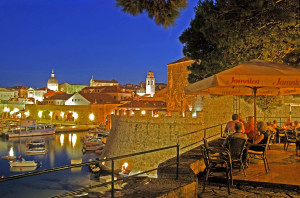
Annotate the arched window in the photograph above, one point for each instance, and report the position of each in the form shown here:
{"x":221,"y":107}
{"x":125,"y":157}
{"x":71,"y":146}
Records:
{"x":148,"y":82}
{"x":152,"y":82}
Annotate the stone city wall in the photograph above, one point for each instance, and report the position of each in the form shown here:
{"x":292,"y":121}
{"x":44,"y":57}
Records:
{"x":132,"y":134}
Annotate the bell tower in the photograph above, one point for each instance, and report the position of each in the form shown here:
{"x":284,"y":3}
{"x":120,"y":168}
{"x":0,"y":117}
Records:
{"x":150,"y":84}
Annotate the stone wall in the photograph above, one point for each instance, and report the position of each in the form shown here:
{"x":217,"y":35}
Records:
{"x":132,"y":134}
{"x":178,"y":73}
{"x":218,"y":109}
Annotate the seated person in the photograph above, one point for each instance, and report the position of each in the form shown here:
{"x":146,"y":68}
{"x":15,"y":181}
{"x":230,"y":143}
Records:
{"x":243,"y":122}
{"x":237,"y":134}
{"x":249,"y":129}
{"x":261,"y":137}
{"x":231,"y":124}
{"x":287,"y":125}
{"x":296,"y":125}
{"x":275,"y":124}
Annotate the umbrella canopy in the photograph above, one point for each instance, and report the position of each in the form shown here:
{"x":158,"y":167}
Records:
{"x":269,"y":79}
{"x":256,"y":77}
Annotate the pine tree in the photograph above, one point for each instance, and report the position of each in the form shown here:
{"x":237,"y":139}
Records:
{"x":164,"y":12}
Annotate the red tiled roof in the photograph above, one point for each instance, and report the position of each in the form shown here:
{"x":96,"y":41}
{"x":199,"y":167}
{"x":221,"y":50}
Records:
{"x":99,"y":98}
{"x":106,"y":81}
{"x":181,"y":60}
{"x":52,"y":93}
{"x":60,"y":96}
{"x":104,"y":89}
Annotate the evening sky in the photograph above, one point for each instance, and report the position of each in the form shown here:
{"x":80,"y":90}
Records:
{"x":81,"y":38}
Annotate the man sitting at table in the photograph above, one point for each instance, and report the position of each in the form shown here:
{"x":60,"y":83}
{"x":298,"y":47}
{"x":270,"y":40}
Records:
{"x":237,"y":134}
{"x":231,"y":124}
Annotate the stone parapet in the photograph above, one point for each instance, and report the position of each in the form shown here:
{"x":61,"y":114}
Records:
{"x":139,"y":132}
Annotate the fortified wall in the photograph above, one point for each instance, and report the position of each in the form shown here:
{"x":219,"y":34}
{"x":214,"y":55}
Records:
{"x":137,"y":133}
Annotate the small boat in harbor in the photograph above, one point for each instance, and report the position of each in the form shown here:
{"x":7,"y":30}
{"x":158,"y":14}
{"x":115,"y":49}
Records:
{"x":93,"y":148}
{"x":36,"y":151}
{"x":10,"y":158}
{"x":34,"y":130}
{"x":22,"y":168}
{"x":35,"y":143}
{"x":24,"y":163}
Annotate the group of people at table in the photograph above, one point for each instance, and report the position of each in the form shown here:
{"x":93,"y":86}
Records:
{"x":237,"y":128}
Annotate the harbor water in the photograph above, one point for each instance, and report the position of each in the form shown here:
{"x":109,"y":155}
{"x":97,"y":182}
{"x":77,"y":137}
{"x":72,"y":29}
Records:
{"x":61,"y":149}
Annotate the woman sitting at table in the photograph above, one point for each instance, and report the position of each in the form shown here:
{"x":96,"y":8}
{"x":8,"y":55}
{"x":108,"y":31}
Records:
{"x":249,"y":129}
{"x":287,"y":125}
{"x":261,"y":137}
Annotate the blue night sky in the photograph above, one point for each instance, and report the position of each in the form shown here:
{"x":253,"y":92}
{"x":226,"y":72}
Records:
{"x":81,"y":38}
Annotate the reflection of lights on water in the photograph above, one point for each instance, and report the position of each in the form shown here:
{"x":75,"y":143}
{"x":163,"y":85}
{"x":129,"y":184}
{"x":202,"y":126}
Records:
{"x":70,"y":137}
{"x":74,"y":139}
{"x":103,"y":163}
{"x":62,"y":137}
{"x":11,"y":151}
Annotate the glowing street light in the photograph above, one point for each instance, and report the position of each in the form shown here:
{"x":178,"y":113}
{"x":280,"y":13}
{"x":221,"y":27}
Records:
{"x":75,"y":115}
{"x":143,"y":112}
{"x":26,"y":113}
{"x":92,"y":117}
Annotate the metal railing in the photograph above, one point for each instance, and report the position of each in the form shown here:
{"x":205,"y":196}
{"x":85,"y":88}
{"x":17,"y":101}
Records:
{"x":112,"y":160}
{"x":205,"y":135}
{"x":279,"y":118}
{"x":99,"y":161}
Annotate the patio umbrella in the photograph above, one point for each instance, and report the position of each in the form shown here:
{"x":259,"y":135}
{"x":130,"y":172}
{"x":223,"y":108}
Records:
{"x":256,"y":77}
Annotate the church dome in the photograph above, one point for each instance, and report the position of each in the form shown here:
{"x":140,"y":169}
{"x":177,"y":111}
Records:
{"x":52,"y":80}
{"x":52,"y":83}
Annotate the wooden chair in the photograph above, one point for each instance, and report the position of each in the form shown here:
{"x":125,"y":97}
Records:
{"x":290,"y":137}
{"x":216,"y":164}
{"x":237,"y":147}
{"x":261,"y":153}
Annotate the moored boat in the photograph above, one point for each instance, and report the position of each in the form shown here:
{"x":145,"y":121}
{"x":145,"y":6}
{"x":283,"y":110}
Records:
{"x":24,"y":163}
{"x":34,"y":130}
{"x":36,"y":151}
{"x":11,"y":158}
{"x":36,"y":142}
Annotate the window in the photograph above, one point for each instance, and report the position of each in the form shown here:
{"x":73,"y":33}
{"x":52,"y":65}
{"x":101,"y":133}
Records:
{"x":148,"y":82}
{"x":152,"y":82}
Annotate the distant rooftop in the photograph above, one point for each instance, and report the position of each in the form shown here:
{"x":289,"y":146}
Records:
{"x":181,"y":60}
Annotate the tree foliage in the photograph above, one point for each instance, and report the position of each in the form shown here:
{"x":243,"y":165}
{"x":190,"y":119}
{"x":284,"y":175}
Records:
{"x":225,"y":33}
{"x":164,"y":12}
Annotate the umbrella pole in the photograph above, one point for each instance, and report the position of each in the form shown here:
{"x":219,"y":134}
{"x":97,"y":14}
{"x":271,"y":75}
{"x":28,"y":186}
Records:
{"x":255,"y":124}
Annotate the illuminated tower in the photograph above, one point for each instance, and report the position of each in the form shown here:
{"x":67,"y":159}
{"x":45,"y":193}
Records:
{"x":52,"y":83}
{"x":150,"y":84}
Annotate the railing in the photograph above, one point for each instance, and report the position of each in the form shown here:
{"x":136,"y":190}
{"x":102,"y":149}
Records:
{"x":99,"y":161}
{"x":280,"y":119}
{"x":205,"y":135}
{"x":112,"y":160}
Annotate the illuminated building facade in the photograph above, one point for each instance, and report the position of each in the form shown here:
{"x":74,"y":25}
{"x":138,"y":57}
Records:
{"x":150,"y":84}
{"x":71,"y":88}
{"x":52,"y":83}
{"x":96,"y":83}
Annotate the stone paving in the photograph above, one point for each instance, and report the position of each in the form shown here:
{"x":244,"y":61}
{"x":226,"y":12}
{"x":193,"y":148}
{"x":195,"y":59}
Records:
{"x":246,"y":191}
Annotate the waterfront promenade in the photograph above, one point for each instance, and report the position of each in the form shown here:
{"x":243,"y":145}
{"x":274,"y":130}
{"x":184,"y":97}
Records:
{"x":283,"y":179}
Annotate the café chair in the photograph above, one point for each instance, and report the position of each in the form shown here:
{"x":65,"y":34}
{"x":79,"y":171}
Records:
{"x":261,"y":154}
{"x":216,"y":164}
